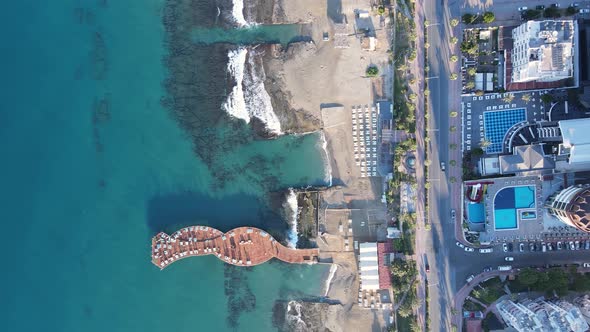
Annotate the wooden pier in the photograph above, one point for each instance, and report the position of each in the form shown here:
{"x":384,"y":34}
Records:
{"x":243,"y":246}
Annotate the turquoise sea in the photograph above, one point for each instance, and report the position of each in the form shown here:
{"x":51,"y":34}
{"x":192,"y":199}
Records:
{"x":93,"y":165}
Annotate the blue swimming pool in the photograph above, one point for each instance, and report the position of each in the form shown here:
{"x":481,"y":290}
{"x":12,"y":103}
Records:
{"x":497,"y":124}
{"x":506,"y":203}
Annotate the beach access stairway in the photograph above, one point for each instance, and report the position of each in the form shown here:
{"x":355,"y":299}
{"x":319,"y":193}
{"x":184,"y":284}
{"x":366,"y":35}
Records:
{"x":243,"y":246}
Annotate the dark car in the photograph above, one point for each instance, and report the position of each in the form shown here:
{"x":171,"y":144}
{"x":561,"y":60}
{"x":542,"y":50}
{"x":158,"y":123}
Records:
{"x":510,"y":247}
{"x":453,"y":215}
{"x":487,"y":269}
{"x":540,"y":7}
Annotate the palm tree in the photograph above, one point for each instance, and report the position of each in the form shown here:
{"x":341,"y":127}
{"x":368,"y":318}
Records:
{"x":485,"y":143}
{"x":454,"y":22}
{"x":453,"y":76}
{"x":526,"y":97}
{"x":453,"y":114}
{"x":509,"y":98}
{"x":454,"y":58}
{"x":453,"y":129}
{"x":453,"y":162}
{"x":454,"y":40}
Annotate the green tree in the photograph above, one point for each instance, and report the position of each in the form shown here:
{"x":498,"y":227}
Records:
{"x":453,"y":76}
{"x":453,"y":146}
{"x":372,"y":71}
{"x":453,"y":179}
{"x":453,"y":114}
{"x":488,"y":17}
{"x":508,"y":98}
{"x":454,"y":22}
{"x":571,"y":10}
{"x":471,"y":71}
{"x":470,"y":85}
{"x":477,"y":152}
{"x":402,"y":67}
{"x":426,"y":92}
{"x":454,"y":40}
{"x":547,"y":98}
{"x":454,"y":58}
{"x":552,"y":12}
{"x":468,"y":18}
{"x":413,"y":97}
{"x":528,"y":277}
{"x":453,"y":129}
{"x":427,"y":45}
{"x":381,"y":10}
{"x":453,"y":162}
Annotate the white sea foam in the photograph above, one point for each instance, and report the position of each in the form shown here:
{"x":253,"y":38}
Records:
{"x":292,"y":209}
{"x":327,"y":165}
{"x":294,"y":316}
{"x":235,"y":105}
{"x":258,"y":101}
{"x":333,"y":269}
{"x":238,"y":13}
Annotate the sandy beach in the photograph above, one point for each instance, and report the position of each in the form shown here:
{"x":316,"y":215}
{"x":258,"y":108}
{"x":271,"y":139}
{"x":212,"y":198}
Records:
{"x":313,"y":86}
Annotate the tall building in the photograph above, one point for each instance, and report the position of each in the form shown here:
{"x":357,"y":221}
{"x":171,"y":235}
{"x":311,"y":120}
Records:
{"x":543,"y":51}
{"x":572,"y":206}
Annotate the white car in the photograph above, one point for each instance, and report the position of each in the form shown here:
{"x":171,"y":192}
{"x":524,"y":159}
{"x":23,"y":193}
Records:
{"x":509,"y":259}
{"x":584,"y":11}
{"x":520,"y":9}
{"x":459,"y":244}
{"x":471,"y":277}
{"x":486,"y":251}
{"x":586,"y":265}
{"x":469,"y":249}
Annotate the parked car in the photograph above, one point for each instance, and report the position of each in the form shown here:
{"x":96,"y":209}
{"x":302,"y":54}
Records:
{"x":505,"y":247}
{"x":575,"y":4}
{"x":555,"y":5}
{"x":453,"y":215}
{"x":559,"y":247}
{"x":442,"y":166}
{"x":532,"y":246}
{"x":521,"y":247}
{"x":586,"y":265}
{"x":587,"y":245}
{"x":572,"y":246}
{"x":544,"y":247}
{"x":487,"y":269}
{"x":540,"y":7}
{"x":486,"y":250}
{"x":459,"y":244}
{"x":470,"y":278}
{"x":577,"y":245}
{"x":509,"y":259}
{"x":427,"y":268}
{"x":469,"y":249}
{"x":521,"y":9}
{"x":584,"y":11}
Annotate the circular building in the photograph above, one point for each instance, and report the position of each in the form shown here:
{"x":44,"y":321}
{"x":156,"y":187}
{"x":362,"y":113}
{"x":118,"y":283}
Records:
{"x":572,"y":206}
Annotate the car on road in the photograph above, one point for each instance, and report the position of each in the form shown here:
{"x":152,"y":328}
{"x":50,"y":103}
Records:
{"x":487,"y":269}
{"x":532,"y":246}
{"x":427,"y":268}
{"x":544,"y":247}
{"x":459,"y":244}
{"x":555,"y":5}
{"x":486,"y":250}
{"x":521,"y":247}
{"x":505,"y":247}
{"x":559,"y":247}
{"x":453,"y":215}
{"x":470,"y":278}
{"x":572,"y":245}
{"x":575,"y":4}
{"x":521,"y":9}
{"x":577,"y":245}
{"x":510,"y":247}
{"x":587,"y":245}
{"x":584,"y":11}
{"x":550,"y":246}
{"x":509,"y":259}
{"x":469,"y":249}
{"x":540,"y":7}
{"x":586,"y":265}
{"x":442,"y":166}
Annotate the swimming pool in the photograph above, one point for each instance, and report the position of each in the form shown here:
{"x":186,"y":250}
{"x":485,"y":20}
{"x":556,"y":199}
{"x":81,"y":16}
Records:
{"x":497,"y":124}
{"x":508,"y":201}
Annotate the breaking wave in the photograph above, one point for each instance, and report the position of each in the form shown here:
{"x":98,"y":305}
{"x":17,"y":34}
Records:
{"x":333,"y":269}
{"x":238,"y":13}
{"x":327,"y":165}
{"x":249,"y":97}
{"x":292,"y":208}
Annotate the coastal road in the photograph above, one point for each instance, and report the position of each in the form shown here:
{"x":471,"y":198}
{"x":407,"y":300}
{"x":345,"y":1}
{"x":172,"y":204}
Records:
{"x":437,"y":246}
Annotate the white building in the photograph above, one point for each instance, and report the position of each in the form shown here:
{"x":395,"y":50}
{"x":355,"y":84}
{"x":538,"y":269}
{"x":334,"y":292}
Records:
{"x":540,"y":315}
{"x":543,"y":51}
{"x":369,"y":266}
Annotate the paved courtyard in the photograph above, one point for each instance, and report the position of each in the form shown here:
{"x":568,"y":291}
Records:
{"x":475,"y":108}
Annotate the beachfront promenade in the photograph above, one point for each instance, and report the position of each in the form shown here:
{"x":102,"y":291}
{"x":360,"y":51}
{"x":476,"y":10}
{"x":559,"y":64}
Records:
{"x":243,"y":246}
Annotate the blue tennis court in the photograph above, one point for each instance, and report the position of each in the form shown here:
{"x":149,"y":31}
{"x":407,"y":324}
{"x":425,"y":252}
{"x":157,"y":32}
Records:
{"x":497,"y":124}
{"x":506,"y":203}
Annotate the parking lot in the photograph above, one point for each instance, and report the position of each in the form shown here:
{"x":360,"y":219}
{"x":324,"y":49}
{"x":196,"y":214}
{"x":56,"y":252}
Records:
{"x":506,"y":10}
{"x":475,"y":108}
